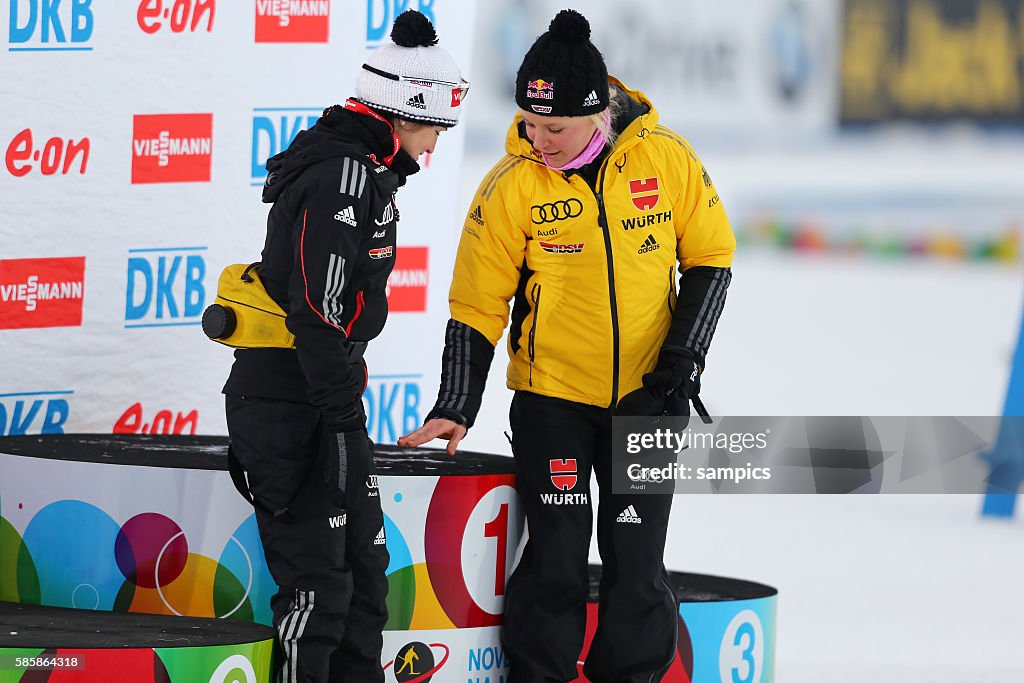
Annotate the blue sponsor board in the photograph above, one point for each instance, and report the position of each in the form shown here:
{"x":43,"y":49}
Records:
{"x":34,"y":412}
{"x":381,"y":14}
{"x":273,"y":129}
{"x":165,"y":287}
{"x":50,"y":25}
{"x":392,"y":405}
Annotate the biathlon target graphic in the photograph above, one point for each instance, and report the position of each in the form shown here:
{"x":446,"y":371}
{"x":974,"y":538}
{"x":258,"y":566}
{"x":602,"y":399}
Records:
{"x":73,"y":554}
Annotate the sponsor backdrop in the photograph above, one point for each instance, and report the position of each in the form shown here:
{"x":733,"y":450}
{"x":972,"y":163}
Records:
{"x":134,"y":136}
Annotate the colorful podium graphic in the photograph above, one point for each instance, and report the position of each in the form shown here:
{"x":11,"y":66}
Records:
{"x":726,"y":629}
{"x":154,"y":525}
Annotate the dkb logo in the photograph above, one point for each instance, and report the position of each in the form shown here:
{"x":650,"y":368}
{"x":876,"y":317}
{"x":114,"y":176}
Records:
{"x":34,"y":412}
{"x":392,"y":406}
{"x":381,"y":14}
{"x":40,"y":25}
{"x":273,"y":130}
{"x":165,"y":287}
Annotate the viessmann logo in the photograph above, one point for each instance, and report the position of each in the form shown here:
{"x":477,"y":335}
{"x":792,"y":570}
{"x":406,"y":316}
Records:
{"x":41,"y":292}
{"x":295,"y":21}
{"x":172,"y":148}
{"x":407,"y":286}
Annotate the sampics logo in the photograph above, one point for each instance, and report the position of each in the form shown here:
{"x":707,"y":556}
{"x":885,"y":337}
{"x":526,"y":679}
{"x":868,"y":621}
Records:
{"x":56,"y":155}
{"x":41,"y":292}
{"x":172,"y":148}
{"x":292,"y":21}
{"x":273,"y":129}
{"x":178,"y":16}
{"x":407,"y":286}
{"x":46,"y":26}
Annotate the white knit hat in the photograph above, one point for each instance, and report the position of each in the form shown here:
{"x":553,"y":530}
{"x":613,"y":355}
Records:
{"x":413,"y":78}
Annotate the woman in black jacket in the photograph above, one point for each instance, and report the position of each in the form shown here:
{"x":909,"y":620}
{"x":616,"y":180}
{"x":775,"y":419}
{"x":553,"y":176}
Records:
{"x":295,"y":415}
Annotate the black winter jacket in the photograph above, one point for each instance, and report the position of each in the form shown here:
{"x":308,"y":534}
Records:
{"x":329,"y":250}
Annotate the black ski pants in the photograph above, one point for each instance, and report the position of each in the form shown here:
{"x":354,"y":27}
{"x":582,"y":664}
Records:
{"x":329,"y":563}
{"x":556,"y":445}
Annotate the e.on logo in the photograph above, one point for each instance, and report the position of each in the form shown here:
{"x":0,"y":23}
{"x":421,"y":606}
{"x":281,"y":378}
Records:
{"x":56,"y":154}
{"x":41,"y":292}
{"x":164,"y":422}
{"x":177,"y":15}
{"x":172,"y":148}
{"x":292,"y":21}
{"x":407,"y":286}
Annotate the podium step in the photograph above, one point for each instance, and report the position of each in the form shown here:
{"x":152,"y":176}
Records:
{"x":57,"y":645}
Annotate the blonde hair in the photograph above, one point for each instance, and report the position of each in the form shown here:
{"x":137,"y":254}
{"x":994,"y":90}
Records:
{"x":605,"y":120}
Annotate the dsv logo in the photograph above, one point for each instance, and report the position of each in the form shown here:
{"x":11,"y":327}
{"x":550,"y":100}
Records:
{"x":556,"y":211}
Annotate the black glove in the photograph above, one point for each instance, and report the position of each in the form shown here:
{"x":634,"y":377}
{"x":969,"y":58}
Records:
{"x":666,"y":390}
{"x":348,"y":450}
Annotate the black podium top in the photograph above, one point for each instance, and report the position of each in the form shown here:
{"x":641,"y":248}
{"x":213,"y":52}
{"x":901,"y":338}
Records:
{"x":210,"y":453}
{"x":48,"y":627}
{"x":699,"y":587}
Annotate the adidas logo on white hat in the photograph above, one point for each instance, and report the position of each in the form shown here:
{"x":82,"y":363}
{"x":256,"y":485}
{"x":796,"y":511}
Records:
{"x":417,"y":101}
{"x":380,"y":537}
{"x":592,"y":99}
{"x":628,"y":516}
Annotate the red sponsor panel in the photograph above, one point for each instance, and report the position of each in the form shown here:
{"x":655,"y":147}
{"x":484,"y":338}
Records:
{"x":172,"y":148}
{"x":407,"y":286}
{"x":41,"y":292}
{"x":284,"y":21}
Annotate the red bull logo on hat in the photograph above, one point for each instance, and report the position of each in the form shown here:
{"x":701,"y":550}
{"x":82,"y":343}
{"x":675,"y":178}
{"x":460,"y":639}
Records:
{"x":540,"y":89}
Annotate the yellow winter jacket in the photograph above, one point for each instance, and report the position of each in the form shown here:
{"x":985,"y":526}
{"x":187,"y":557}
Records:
{"x":598,"y":269}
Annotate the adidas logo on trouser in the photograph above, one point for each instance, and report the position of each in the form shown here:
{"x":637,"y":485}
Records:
{"x":380,"y":540}
{"x":628,"y":516}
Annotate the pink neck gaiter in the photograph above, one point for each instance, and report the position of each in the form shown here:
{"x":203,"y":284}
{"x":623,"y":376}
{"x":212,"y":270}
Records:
{"x":589,"y":153}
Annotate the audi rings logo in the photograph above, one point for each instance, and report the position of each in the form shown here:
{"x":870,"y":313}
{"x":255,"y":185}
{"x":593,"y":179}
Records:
{"x":556,"y":211}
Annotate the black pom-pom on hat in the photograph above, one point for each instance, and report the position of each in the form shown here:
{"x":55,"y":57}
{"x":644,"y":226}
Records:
{"x":413,"y":29}
{"x":563,"y":74}
{"x":570,"y":26}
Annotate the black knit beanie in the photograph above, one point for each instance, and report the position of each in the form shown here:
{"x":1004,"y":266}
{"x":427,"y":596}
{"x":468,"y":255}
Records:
{"x":563,"y":74}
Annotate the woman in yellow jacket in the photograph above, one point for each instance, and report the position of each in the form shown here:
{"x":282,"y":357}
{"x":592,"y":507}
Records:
{"x":585,"y":223}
